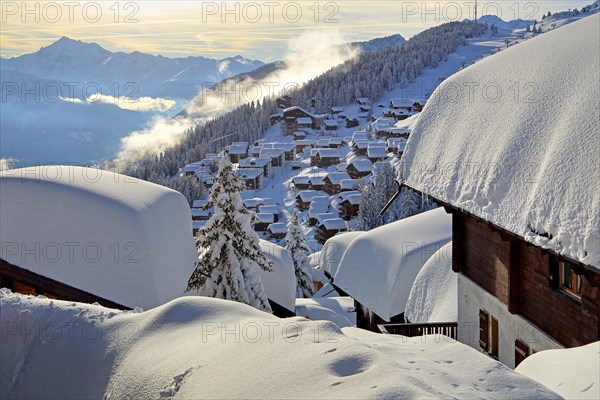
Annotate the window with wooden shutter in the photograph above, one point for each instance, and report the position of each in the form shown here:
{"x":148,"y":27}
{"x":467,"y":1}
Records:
{"x":521,"y":352}
{"x":484,"y":330}
{"x":495,"y":338}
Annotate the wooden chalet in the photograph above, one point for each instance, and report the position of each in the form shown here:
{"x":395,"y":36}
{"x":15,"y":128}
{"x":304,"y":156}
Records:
{"x":352,"y":122}
{"x":304,"y":198}
{"x":264,"y":163}
{"x":333,"y":182}
{"x":327,"y":157}
{"x":359,"y":168}
{"x":329,"y":228}
{"x":237,"y":151}
{"x":263,"y":220}
{"x":301,"y":182}
{"x":284,"y":101}
{"x":349,"y":207}
{"x":252,"y":178}
{"x":525,"y":243}
{"x":277,"y":230}
{"x":376,"y":153}
{"x":331,"y":125}
{"x":296,"y":119}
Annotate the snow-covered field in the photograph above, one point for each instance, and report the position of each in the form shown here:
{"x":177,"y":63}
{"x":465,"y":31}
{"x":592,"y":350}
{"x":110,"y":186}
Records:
{"x":207,"y":348}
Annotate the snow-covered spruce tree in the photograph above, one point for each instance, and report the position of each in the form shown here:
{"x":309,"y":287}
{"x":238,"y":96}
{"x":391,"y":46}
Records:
{"x":295,"y":242}
{"x":375,"y":196}
{"x":231,"y":256}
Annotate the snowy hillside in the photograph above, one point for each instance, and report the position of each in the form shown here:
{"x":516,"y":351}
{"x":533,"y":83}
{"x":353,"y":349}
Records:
{"x":209,"y":348}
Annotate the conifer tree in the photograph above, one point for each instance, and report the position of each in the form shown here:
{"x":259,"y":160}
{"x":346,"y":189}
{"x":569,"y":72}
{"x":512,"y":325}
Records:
{"x":231,"y":256}
{"x":295,"y":242}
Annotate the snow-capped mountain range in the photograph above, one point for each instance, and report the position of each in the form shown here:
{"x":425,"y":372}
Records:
{"x":156,"y":76}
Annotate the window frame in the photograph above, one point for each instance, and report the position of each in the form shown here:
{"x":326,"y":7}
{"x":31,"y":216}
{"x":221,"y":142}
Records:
{"x":576,"y":280}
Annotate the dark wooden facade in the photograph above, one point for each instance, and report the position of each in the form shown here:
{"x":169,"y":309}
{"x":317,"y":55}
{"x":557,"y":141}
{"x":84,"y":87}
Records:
{"x":348,"y":210}
{"x":23,"y":281}
{"x":524,"y":277}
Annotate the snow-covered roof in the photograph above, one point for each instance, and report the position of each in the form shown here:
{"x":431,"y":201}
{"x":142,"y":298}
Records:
{"x":257,"y":201}
{"x":530,"y":167}
{"x":325,"y":216}
{"x":307,"y":195}
{"x":323,"y":143}
{"x":238,"y":149}
{"x":318,"y":208}
{"x":349,"y":184}
{"x":265,"y":217}
{"x":334,"y":249}
{"x":249,"y":173}
{"x":271,"y":152}
{"x":379,"y":267}
{"x":317,"y":178}
{"x":277,"y":227}
{"x":329,"y":153}
{"x":353,"y":199}
{"x":434,"y":294}
{"x":255,"y":162}
{"x":401,"y":103}
{"x":273,"y":209}
{"x":331,"y":123}
{"x":335,"y":224}
{"x":336,"y":177}
{"x":360,"y":135}
{"x":336,"y":141}
{"x":362,"y":164}
{"x":376,"y":152}
{"x":280,"y":283}
{"x":301,"y":179}
{"x":341,"y":167}
{"x":337,"y":109}
{"x":293,"y":108}
{"x":200,"y":212}
{"x":361,"y":144}
{"x":198,"y":224}
{"x":98,"y":210}
{"x":299,"y":134}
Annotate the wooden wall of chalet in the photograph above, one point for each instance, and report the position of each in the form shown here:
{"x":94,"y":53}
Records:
{"x":519,"y":275}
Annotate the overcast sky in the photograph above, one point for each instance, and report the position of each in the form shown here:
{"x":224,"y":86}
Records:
{"x":257,"y":30}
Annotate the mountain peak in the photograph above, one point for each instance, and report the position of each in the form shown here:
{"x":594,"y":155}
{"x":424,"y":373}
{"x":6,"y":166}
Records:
{"x":71,"y":45}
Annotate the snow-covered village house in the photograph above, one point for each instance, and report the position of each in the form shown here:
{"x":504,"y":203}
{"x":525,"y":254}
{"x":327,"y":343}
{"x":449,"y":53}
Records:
{"x":86,"y":235}
{"x":284,"y":101}
{"x":297,"y":119}
{"x":381,"y":291}
{"x":329,"y":228}
{"x":349,"y":207}
{"x":252,"y":178}
{"x":333,"y":182}
{"x":525,"y":219}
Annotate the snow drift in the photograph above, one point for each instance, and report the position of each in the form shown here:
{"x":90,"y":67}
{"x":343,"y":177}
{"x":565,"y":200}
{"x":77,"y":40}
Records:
{"x":572,"y":373}
{"x":196,"y":347}
{"x":434,"y":295}
{"x":123,"y":239}
{"x":513,"y":139}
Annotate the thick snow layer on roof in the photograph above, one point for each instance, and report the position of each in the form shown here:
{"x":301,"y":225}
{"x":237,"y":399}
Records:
{"x":123,"y":239}
{"x":527,"y":164}
{"x":434,"y":295}
{"x":249,"y":173}
{"x":380,"y":266}
{"x":304,"y":120}
{"x":278,"y":227}
{"x":337,"y":177}
{"x":339,"y":310}
{"x":362,"y":164}
{"x":198,"y":347}
{"x":329,"y":153}
{"x":335,"y":224}
{"x":573,"y":373}
{"x":333,"y":250}
{"x":280,"y":283}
